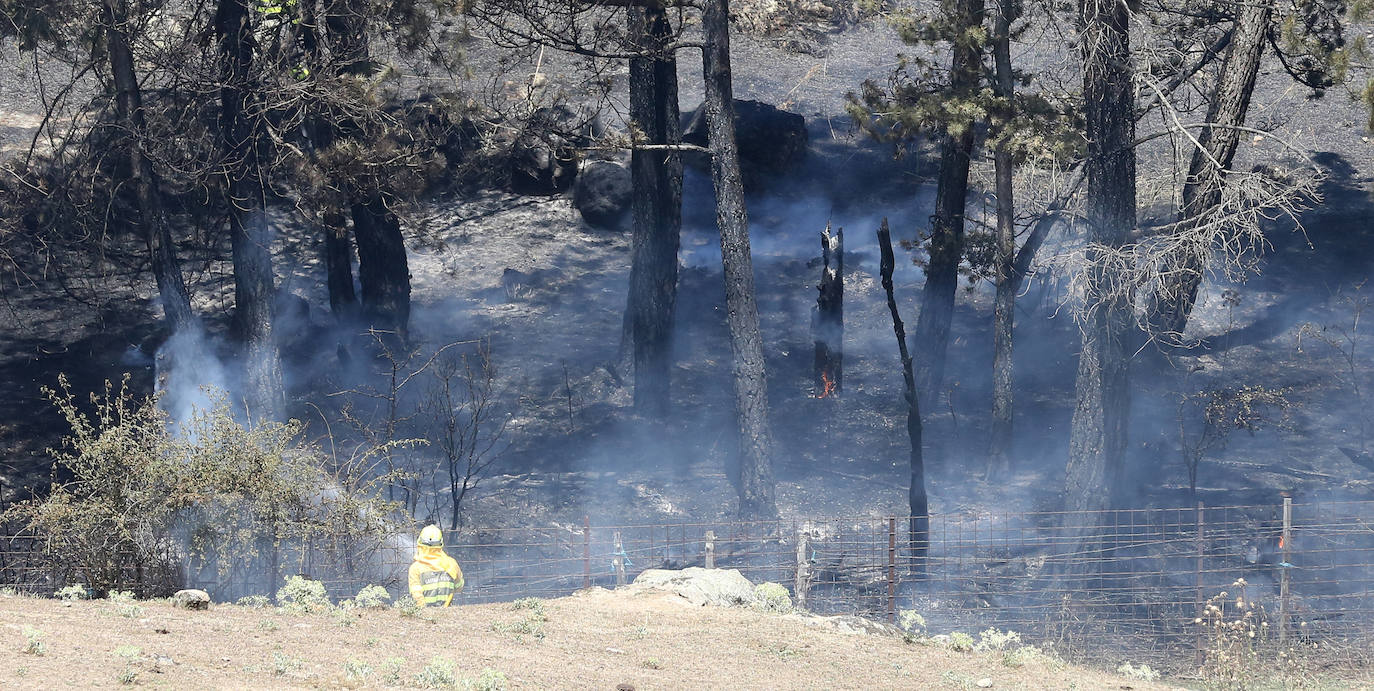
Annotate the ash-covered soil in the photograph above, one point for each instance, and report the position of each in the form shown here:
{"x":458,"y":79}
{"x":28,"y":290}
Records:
{"x":548,"y":292}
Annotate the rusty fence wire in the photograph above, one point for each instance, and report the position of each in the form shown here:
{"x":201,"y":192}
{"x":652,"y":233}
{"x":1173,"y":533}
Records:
{"x":1132,"y":582}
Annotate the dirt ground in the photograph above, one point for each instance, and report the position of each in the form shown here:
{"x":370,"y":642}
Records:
{"x":595,"y":639}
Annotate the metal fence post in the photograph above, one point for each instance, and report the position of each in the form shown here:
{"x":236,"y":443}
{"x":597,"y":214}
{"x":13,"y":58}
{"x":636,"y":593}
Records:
{"x":1197,"y":570}
{"x":892,"y":570}
{"x":586,"y":552}
{"x":803,"y":569}
{"x":710,"y":549}
{"x":1286,"y":548}
{"x":618,"y":561}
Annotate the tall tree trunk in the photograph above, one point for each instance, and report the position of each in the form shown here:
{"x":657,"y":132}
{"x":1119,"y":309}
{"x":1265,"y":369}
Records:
{"x":383,"y":270}
{"x":249,"y":232}
{"x":338,"y":263}
{"x":746,"y":342}
{"x":1097,"y":438}
{"x":951,"y":196}
{"x":656,"y":204}
{"x":917,"y":502}
{"x":1173,"y":301}
{"x":157,"y":233}
{"x":1005,"y":307}
{"x":322,"y":131}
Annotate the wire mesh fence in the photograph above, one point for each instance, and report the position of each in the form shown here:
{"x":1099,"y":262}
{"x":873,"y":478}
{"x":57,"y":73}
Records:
{"x":1132,"y":582}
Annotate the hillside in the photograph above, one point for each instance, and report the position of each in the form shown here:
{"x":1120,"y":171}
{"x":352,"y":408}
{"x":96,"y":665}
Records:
{"x":594,"y":639}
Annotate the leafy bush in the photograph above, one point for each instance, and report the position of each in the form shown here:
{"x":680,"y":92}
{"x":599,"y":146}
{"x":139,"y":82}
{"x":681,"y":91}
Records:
{"x":438,"y":674}
{"x":255,"y":601}
{"x":372,"y":596}
{"x":302,"y":595}
{"x":992,"y":639}
{"x":961,"y":642}
{"x":33,"y":642}
{"x":283,"y":664}
{"x":488,"y":680}
{"x":143,"y":493}
{"x":71,"y":592}
{"x":771,"y":597}
{"x":357,"y":670}
{"x":1143,"y":672}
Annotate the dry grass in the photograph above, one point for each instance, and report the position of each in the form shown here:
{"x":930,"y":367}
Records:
{"x":596,"y":639}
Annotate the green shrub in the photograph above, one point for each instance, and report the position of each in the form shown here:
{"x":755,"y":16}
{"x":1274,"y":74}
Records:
{"x":488,"y":680}
{"x":406,"y":606}
{"x":1143,"y":672}
{"x":960,"y":642}
{"x":283,"y":664}
{"x":7,"y":591}
{"x":357,"y":670}
{"x":992,"y":639}
{"x":257,"y":601}
{"x":72,"y":592}
{"x":372,"y":597}
{"x":137,"y":482}
{"x":391,"y":670}
{"x":33,"y":642}
{"x":120,"y":596}
{"x":128,"y":676}
{"x":771,"y":597}
{"x":302,"y":595}
{"x":438,"y":674}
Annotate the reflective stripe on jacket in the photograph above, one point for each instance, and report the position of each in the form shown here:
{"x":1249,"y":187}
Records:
{"x":434,"y":577}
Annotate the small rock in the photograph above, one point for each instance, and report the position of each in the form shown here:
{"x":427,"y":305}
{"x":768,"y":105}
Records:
{"x":984,"y":683}
{"x":191,"y":599}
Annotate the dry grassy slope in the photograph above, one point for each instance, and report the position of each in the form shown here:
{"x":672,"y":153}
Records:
{"x":596,"y":639}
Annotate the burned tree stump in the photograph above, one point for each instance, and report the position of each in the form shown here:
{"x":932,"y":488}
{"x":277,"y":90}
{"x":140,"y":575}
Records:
{"x":827,"y":321}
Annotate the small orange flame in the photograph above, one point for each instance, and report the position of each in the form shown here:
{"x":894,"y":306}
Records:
{"x":1280,"y":542}
{"x":828,"y":386}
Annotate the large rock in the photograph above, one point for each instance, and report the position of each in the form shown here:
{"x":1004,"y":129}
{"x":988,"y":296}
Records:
{"x":771,"y":141}
{"x":602,"y":193}
{"x":718,"y":587}
{"x":191,"y":599}
{"x":544,"y":158}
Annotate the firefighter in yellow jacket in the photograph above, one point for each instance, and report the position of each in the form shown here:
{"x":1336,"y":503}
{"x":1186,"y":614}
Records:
{"x":434,"y":576}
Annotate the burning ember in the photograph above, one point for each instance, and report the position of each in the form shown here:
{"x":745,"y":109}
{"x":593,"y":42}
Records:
{"x":828,"y":386}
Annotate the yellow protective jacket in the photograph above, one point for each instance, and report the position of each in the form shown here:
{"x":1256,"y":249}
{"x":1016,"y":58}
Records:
{"x":434,"y":577}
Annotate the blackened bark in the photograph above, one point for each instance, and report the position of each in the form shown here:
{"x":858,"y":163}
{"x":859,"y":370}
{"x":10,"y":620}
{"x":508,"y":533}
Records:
{"x":746,"y":343}
{"x":338,"y":262}
{"x":249,"y":232}
{"x":152,"y":217}
{"x":1173,"y":300}
{"x":656,"y":204}
{"x":1005,"y":306}
{"x":1097,"y":438}
{"x":383,"y":270}
{"x":951,"y":196}
{"x":345,"y":22}
{"x":917,"y":501}
{"x":827,"y":326}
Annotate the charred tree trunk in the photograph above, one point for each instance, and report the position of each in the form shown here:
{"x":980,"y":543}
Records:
{"x":383,"y":270}
{"x":249,"y":232}
{"x":827,"y":326}
{"x":1097,"y":438}
{"x":152,"y":218}
{"x":947,"y":225}
{"x":322,"y":131}
{"x":1173,"y":300}
{"x":338,"y":262}
{"x":1005,"y":307}
{"x":656,"y":205}
{"x":746,"y":342}
{"x":919,"y":528}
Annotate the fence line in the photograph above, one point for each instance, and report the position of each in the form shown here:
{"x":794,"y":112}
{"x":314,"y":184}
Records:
{"x":1133,"y":580}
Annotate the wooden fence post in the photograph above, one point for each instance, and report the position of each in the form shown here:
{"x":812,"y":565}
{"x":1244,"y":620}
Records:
{"x":803,"y":569}
{"x":586,"y":552}
{"x":710,"y":549}
{"x":1286,"y":549}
